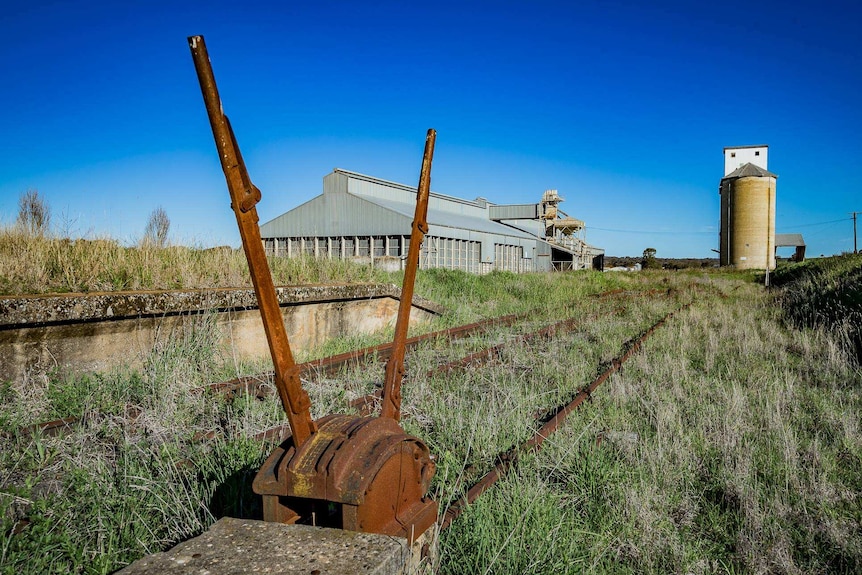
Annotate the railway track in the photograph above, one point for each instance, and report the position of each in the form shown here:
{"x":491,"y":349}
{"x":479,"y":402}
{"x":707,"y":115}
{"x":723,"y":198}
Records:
{"x":547,"y":422}
{"x":260,"y":384}
{"x":334,"y":363}
{"x":509,"y":458}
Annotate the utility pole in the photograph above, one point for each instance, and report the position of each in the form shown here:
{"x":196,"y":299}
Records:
{"x":855,"y":251}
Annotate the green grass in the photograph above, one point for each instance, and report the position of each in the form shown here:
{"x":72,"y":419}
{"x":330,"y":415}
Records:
{"x":746,"y":461}
{"x":119,"y":486}
{"x":733,"y":442}
{"x":826,"y":293}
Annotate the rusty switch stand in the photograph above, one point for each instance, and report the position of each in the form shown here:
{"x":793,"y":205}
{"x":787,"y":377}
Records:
{"x":357,"y":473}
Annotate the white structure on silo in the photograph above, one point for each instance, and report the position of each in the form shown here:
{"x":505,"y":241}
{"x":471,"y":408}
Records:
{"x":738,"y":156}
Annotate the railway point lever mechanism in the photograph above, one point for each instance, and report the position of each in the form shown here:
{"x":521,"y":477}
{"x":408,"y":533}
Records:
{"x":346,"y":471}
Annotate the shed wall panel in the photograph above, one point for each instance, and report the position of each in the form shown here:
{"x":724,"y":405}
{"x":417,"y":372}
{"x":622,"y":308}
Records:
{"x":514,"y":212}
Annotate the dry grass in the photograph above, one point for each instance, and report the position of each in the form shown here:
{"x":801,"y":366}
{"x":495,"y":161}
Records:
{"x":31,"y":264}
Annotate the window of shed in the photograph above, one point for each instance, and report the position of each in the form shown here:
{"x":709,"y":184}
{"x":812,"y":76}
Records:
{"x":733,"y":154}
{"x":757,"y":153}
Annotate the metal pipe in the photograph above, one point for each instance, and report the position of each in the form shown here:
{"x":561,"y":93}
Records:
{"x":395,"y":366}
{"x":244,"y":195}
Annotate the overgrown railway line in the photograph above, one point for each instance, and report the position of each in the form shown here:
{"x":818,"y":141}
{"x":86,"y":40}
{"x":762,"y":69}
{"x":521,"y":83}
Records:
{"x":550,"y":424}
{"x":446,"y":349}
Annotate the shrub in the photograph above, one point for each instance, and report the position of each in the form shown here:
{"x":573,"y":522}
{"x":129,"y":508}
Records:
{"x":34,"y":215}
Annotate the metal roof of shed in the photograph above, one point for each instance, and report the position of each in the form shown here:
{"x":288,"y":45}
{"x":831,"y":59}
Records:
{"x":345,"y":209}
{"x":789,"y":240}
{"x":449,"y":219}
{"x":404,"y":187}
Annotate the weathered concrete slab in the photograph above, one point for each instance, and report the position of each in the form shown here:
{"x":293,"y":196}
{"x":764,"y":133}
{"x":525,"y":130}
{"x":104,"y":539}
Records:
{"x":97,"y":330}
{"x":80,"y":307}
{"x":247,"y":546}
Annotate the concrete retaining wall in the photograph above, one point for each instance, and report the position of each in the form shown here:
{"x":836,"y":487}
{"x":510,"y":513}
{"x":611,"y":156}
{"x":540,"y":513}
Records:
{"x":97,"y":330}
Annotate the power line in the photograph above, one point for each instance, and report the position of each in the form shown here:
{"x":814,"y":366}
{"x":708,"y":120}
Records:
{"x":591,"y":228}
{"x":819,"y":232}
{"x":816,"y":224}
{"x":713,"y":232}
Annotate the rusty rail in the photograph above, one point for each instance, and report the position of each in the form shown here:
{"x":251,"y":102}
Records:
{"x":52,"y":428}
{"x":368,"y":403}
{"x":332,"y":364}
{"x":505,"y":461}
{"x":490,"y":353}
{"x":508,"y":459}
{"x":622,"y":292}
{"x":552,"y":421}
{"x":259,"y":386}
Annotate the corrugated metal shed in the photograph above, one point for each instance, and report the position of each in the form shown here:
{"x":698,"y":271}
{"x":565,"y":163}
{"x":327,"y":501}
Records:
{"x":791,"y":241}
{"x":337,"y":214}
{"x":362,"y":216}
{"x":448,"y":219}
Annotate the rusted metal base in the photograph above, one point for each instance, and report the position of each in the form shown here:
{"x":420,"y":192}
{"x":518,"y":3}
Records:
{"x":355,"y":473}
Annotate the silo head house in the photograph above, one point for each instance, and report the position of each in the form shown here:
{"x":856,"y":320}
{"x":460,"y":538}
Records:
{"x":747,"y":232}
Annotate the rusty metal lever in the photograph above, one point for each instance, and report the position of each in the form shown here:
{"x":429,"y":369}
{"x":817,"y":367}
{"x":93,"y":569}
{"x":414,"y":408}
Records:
{"x":244,"y":195}
{"x":391,"y":405}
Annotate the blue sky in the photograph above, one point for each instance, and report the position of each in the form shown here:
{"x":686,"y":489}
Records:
{"x":622,"y":106}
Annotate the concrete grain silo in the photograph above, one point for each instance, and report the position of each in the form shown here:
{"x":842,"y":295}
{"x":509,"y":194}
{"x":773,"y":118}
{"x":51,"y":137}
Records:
{"x":747,"y":236}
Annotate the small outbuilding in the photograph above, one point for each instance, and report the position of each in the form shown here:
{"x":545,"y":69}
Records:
{"x":791,"y":241}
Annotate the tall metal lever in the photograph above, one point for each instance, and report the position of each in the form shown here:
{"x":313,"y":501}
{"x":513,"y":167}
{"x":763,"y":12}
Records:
{"x":395,"y":366}
{"x":244,"y":195}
